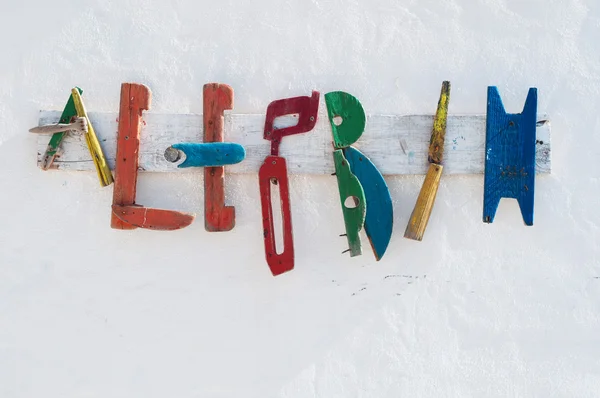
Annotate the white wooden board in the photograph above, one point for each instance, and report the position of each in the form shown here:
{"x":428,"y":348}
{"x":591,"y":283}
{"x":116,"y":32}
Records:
{"x":396,"y":144}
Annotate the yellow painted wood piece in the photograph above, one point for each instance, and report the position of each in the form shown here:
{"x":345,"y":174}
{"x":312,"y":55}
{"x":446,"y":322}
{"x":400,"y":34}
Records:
{"x":420,"y":215}
{"x":104,"y":174}
{"x":438,"y":133}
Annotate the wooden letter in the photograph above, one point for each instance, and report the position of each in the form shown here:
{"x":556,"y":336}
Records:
{"x":420,"y":215}
{"x":52,"y":150}
{"x":217,"y":216}
{"x":126,"y":214}
{"x":358,"y":178}
{"x":509,"y":155}
{"x":274,"y":169}
{"x":352,"y":199}
{"x":104,"y":174}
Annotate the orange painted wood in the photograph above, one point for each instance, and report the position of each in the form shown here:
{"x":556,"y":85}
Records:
{"x":217,"y":217}
{"x":148,"y":218}
{"x":135,"y":98}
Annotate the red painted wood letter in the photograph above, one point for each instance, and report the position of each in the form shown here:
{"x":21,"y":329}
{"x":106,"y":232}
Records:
{"x":217,"y":217}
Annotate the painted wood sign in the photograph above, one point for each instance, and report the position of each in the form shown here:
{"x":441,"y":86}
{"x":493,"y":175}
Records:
{"x":508,"y":148}
{"x":398,"y":144}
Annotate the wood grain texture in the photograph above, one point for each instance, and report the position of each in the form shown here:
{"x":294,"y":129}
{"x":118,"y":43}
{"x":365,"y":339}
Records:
{"x":438,"y":132}
{"x":306,"y":109}
{"x":351,"y":124}
{"x":398,"y":145}
{"x":209,"y":154}
{"x":97,"y":154}
{"x":510,"y":156}
{"x":379,"y":216}
{"x":417,"y":223}
{"x":350,"y":189}
{"x":274,"y":169}
{"x":420,"y":215}
{"x":132,"y":105}
{"x":126,"y":214}
{"x":79,"y":125}
{"x":50,"y":152}
{"x":216,"y":99}
{"x":154,"y":219}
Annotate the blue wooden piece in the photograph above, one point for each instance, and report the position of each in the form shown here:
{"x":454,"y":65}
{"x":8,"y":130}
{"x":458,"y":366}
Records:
{"x":380,"y":214}
{"x":210,"y":154}
{"x":509,"y":155}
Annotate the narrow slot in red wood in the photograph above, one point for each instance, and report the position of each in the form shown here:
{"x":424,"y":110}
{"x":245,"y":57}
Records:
{"x":135,"y":98}
{"x":274,"y":168}
{"x":217,"y":217}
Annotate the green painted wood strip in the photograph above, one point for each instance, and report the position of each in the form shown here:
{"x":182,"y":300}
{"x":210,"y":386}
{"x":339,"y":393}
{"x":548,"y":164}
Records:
{"x":352,"y":114}
{"x":349,"y":187}
{"x":57,"y":138}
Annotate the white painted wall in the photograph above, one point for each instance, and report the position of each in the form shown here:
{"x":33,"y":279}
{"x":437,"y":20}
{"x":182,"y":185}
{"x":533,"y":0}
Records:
{"x":475,"y":310}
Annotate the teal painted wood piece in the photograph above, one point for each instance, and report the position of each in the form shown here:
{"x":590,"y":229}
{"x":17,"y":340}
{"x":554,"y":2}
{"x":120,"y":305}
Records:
{"x":510,"y":155}
{"x":379,"y":218}
{"x":210,"y":154}
{"x":53,"y":148}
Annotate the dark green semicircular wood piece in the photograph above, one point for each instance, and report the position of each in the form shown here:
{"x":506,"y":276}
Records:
{"x":347,"y":107}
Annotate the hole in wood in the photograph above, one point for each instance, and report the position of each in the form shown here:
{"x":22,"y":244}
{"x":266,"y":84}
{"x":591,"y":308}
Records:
{"x":351,"y":202}
{"x":284,"y":121}
{"x":277,"y":215}
{"x":172,"y":155}
{"x":337,"y":120}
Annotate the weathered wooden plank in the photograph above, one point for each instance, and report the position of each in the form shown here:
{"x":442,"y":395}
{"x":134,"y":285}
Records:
{"x":396,"y":144}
